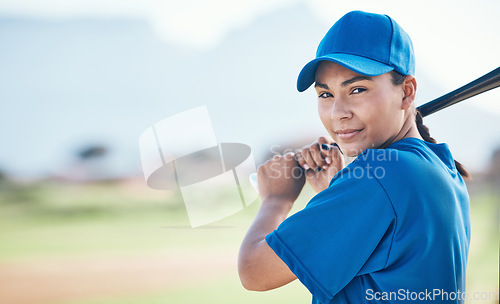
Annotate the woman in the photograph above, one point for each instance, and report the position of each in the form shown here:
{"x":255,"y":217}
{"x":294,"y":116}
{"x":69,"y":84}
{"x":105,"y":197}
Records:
{"x":392,"y":226}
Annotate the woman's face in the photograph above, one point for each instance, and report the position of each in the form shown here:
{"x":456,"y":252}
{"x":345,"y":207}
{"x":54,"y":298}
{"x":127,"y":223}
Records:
{"x":359,"y":112}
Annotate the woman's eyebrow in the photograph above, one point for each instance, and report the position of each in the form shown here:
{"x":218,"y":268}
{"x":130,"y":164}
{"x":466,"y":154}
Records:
{"x":354,"y":79}
{"x":345,"y":83}
{"x":321,"y":85}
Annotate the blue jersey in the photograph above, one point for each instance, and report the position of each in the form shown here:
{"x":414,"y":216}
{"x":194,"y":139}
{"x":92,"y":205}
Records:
{"x":392,"y":227}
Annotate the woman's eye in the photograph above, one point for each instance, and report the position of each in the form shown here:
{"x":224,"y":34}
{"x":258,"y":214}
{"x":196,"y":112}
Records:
{"x":325,"y":95}
{"x":358,"y":90}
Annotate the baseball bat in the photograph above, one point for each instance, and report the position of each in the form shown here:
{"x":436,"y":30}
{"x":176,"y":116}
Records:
{"x":484,"y":83}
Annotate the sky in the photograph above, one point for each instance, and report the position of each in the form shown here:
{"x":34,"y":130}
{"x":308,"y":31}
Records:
{"x":458,"y":39}
{"x":455,"y":43}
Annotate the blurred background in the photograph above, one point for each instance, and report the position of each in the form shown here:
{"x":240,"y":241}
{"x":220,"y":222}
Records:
{"x":81,"y":80}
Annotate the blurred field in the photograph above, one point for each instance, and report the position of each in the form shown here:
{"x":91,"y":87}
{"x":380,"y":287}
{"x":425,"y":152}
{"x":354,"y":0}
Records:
{"x":123,"y":243}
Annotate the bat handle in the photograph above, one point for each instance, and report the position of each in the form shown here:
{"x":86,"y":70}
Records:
{"x":253,"y":176}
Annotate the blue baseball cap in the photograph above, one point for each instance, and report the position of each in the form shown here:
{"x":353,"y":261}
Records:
{"x":366,"y":43}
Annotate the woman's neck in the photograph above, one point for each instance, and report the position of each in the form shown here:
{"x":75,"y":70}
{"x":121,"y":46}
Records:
{"x":408,"y":130}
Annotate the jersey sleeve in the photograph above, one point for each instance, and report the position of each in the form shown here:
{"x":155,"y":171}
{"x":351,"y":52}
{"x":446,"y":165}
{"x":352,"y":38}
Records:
{"x":344,"y":231}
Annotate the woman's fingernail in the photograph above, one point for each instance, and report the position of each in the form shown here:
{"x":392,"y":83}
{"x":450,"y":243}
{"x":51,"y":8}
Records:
{"x":325,"y":167}
{"x":338,"y":148}
{"x":306,"y":167}
{"x":325,"y":147}
{"x":328,"y":160}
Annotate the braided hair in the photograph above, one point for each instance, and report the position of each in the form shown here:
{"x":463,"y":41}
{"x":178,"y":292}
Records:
{"x":398,"y":79}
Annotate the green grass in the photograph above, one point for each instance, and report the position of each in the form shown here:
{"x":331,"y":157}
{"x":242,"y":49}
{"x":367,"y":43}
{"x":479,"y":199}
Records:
{"x":222,"y":291}
{"x":52,"y":220}
{"x":70,"y":219}
{"x":483,"y":262}
{"x":56,"y":219}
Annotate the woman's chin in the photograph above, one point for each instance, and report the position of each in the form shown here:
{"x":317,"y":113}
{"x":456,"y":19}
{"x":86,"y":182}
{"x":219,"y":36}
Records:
{"x":351,"y":151}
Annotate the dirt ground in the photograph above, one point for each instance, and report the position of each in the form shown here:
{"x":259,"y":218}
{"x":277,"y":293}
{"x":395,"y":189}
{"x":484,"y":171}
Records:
{"x":56,"y":280}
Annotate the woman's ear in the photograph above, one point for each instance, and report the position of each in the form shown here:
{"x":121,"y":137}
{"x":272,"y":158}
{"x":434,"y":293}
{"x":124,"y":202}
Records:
{"x":410,"y":90}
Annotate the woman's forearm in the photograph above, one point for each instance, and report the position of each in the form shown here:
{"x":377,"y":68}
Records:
{"x":258,"y":266}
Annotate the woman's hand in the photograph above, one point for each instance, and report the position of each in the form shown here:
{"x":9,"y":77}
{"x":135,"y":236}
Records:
{"x":280,"y":178}
{"x":321,"y":160}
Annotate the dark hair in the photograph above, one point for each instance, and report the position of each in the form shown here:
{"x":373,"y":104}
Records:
{"x":397,"y":79}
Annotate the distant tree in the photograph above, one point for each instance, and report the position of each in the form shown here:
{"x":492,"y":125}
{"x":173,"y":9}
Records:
{"x":91,"y":163}
{"x":494,"y":167}
{"x":91,"y":152}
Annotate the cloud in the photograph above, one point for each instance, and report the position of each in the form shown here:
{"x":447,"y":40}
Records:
{"x":203,"y":24}
{"x":194,"y":23}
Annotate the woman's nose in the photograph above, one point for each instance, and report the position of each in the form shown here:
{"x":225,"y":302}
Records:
{"x":340,"y":110}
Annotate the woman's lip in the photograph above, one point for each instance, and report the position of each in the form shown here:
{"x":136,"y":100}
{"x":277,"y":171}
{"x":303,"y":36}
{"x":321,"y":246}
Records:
{"x":347,"y":134}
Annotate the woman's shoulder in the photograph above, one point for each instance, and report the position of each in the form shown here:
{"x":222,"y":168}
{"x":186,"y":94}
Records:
{"x":413,"y":151}
{"x":407,"y":157}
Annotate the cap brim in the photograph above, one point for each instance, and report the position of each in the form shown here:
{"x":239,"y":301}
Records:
{"x":360,"y":65}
